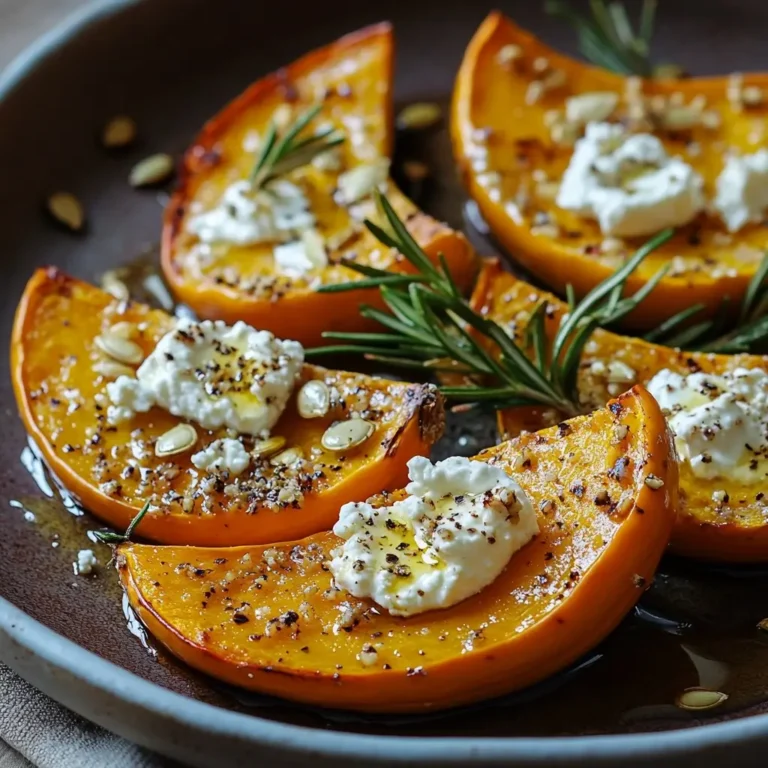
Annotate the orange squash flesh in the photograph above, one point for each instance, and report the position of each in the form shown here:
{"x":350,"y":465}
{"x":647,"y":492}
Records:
{"x":269,"y":619}
{"x":114,"y":470}
{"x":352,"y":78}
{"x":490,"y":99}
{"x":734,"y":531}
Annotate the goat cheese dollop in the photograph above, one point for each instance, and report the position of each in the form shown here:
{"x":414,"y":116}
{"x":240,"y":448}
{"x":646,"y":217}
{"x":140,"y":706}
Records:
{"x":448,"y":539}
{"x":276,"y":214}
{"x":223,"y":455}
{"x":215,"y":374}
{"x":742,"y":190}
{"x":720,"y":422}
{"x":629,"y":183}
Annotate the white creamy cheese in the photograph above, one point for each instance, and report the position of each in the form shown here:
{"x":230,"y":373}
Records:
{"x":86,"y":562}
{"x":629,"y":183}
{"x":223,"y":455}
{"x":742,"y":190}
{"x":303,"y":255}
{"x":720,"y":422}
{"x":448,"y":539}
{"x":214,"y":374}
{"x":276,"y":214}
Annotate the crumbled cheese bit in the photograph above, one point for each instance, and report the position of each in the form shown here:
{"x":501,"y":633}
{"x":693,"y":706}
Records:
{"x":448,"y":539}
{"x":629,"y":183}
{"x":226,"y":455}
{"x":214,"y":374}
{"x":276,"y":214}
{"x":720,"y":422}
{"x":302,"y":256}
{"x":742,"y":190}
{"x":86,"y":562}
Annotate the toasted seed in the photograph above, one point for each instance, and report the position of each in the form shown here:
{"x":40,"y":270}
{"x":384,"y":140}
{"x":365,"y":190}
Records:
{"x":360,"y":182}
{"x":123,"y":329}
{"x":347,"y":434}
{"x":668,"y":72}
{"x":680,"y":118}
{"x":287,"y":457}
{"x":509,"y":54}
{"x":120,"y":349}
{"x":151,"y":170}
{"x":111,"y":369}
{"x":120,"y":131}
{"x":695,"y":699}
{"x":176,"y":440}
{"x":314,"y":248}
{"x":67,"y":210}
{"x":268,"y":447}
{"x":419,"y":116}
{"x":752,"y":95}
{"x":593,"y":106}
{"x":313,"y":400}
{"x":653,"y":482}
{"x":113,"y":285}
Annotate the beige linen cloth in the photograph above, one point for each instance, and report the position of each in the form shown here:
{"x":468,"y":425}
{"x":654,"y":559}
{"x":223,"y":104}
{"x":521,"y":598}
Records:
{"x":34,"y":730}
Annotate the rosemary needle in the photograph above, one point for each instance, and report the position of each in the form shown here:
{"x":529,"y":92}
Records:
{"x":110,"y":537}
{"x":431,"y":326}
{"x":283,"y":152}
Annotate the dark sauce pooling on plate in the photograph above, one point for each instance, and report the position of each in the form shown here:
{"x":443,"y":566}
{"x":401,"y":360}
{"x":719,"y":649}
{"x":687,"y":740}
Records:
{"x":695,"y":626}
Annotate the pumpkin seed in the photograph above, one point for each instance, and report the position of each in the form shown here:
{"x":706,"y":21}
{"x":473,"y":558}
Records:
{"x":697,"y":699}
{"x":120,"y":131}
{"x":419,"y":116}
{"x":114,"y":286}
{"x":593,"y":106}
{"x":151,"y":170}
{"x":176,"y":440}
{"x":268,"y":447}
{"x":668,"y":72}
{"x":123,"y":329}
{"x":314,"y":248}
{"x":67,"y":210}
{"x":111,"y":369}
{"x":287,"y":457}
{"x":360,"y":182}
{"x":347,"y":434}
{"x":313,"y":400}
{"x":509,"y":54}
{"x":120,"y":349}
{"x":653,"y":482}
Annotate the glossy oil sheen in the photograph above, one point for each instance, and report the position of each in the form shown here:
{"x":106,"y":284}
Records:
{"x":696,"y":626}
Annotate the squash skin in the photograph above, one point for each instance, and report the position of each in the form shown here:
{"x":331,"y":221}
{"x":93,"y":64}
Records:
{"x":738,"y":533}
{"x":482,"y":98}
{"x":55,"y":324}
{"x":217,"y":158}
{"x":559,"y":596}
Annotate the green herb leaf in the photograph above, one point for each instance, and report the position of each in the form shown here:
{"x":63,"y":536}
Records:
{"x":281,"y":154}
{"x":110,"y":537}
{"x":431,"y":327}
{"x":607,"y":37}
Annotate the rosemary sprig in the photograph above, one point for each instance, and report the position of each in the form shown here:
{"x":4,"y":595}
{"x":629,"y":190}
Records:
{"x":283,"y":152}
{"x":607,"y":38}
{"x":110,"y":537}
{"x":747,"y":333}
{"x":430,"y":326}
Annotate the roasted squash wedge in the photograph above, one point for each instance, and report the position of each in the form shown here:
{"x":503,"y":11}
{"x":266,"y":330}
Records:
{"x":270,"y":618}
{"x":59,"y":377}
{"x":352,"y":80}
{"x":732,"y":530}
{"x":505,"y":145}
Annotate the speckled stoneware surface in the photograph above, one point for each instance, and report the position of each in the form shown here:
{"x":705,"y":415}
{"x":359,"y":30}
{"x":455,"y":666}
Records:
{"x":171,"y":65}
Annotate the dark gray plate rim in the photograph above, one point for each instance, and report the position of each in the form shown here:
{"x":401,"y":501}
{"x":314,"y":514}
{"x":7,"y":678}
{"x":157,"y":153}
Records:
{"x":142,"y":711}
